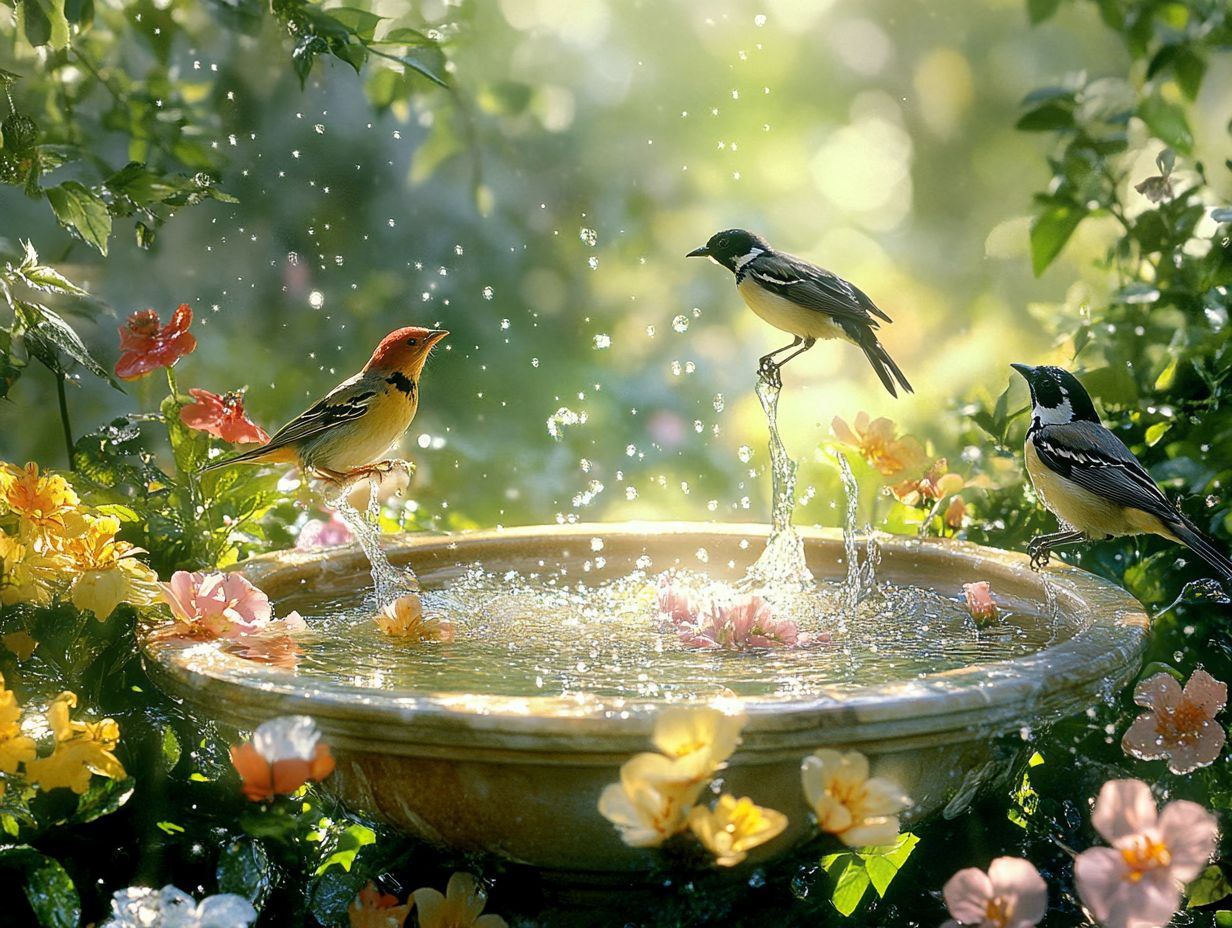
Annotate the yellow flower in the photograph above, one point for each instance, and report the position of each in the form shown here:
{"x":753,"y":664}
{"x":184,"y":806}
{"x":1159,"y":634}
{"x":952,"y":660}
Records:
{"x":652,"y":800}
{"x":82,"y":749}
{"x":859,"y":809}
{"x":15,"y":748}
{"x":108,"y":572}
{"x":734,"y":827}
{"x":40,"y":502}
{"x":21,"y":643}
{"x":700,"y":738}
{"x":876,"y":443}
{"x":404,"y":618}
{"x":460,"y":907}
{"x":25,"y":576}
{"x":934,"y":486}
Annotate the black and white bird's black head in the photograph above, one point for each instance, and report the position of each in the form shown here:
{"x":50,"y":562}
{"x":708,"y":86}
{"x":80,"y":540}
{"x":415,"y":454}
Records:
{"x":732,"y":248}
{"x":1057,"y":398}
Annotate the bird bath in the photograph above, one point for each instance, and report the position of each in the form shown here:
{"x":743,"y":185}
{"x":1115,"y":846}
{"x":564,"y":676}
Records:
{"x":517,"y":770}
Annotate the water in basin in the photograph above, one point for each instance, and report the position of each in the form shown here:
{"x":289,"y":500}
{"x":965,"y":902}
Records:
{"x":552,"y":633}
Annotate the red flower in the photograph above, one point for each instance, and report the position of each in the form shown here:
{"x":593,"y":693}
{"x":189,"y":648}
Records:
{"x":146,"y":346}
{"x":222,"y":416}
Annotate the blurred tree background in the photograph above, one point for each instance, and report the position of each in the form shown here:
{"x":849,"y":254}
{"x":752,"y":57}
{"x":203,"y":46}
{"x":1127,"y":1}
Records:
{"x":540,"y":209}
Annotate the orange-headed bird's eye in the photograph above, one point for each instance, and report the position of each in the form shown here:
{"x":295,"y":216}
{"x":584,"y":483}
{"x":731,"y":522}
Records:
{"x":410,"y":341}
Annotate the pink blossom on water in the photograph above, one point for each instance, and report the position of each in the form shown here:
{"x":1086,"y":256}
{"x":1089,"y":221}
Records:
{"x":1136,"y":883}
{"x":979,"y":601}
{"x":215,"y":605}
{"x":318,"y":533}
{"x":1012,"y":894}
{"x":738,"y":623}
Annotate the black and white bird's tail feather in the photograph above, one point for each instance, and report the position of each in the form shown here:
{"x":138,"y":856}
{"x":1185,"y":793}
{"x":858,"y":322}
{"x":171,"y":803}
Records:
{"x":882,"y":363}
{"x":1188,"y":534}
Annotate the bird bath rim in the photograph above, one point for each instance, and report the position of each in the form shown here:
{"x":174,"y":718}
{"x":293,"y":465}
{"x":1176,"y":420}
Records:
{"x":1101,"y":655}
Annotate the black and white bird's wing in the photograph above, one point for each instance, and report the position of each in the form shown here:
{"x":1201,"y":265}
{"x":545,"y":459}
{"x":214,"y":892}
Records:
{"x":346,"y":402}
{"x":813,"y":287}
{"x":1095,"y":459}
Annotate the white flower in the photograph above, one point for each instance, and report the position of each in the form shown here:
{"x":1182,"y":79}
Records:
{"x":169,"y":907}
{"x":860,"y":810}
{"x":287,"y":737}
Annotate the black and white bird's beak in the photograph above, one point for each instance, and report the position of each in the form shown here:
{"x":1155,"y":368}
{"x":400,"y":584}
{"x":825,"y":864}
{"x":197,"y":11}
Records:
{"x":703,"y":252}
{"x":1025,"y":369}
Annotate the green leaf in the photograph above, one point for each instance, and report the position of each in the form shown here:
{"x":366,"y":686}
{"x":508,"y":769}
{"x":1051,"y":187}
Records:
{"x":352,"y":840}
{"x":47,"y":336}
{"x":1167,"y":122}
{"x":47,"y":886}
{"x":244,"y":868}
{"x":189,"y":446}
{"x":428,"y":61}
{"x":1051,"y":229}
{"x":1047,"y":117}
{"x":170,"y":749}
{"x":80,"y":209}
{"x":1040,"y":10}
{"x":851,"y":883}
{"x":1223,"y":919}
{"x":103,"y":797}
{"x":1210,"y":886}
{"x":404,"y":36}
{"x":43,"y":22}
{"x":360,"y":22}
{"x":171,"y":828}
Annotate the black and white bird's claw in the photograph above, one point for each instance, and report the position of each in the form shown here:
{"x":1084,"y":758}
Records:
{"x":1039,"y":554}
{"x":769,"y":373}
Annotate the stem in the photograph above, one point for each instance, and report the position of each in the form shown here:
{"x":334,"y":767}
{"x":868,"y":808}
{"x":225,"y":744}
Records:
{"x":68,"y":429}
{"x":175,"y":393}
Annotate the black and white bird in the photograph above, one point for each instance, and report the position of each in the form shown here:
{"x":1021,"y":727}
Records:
{"x":803,"y":300}
{"x":1089,"y":480}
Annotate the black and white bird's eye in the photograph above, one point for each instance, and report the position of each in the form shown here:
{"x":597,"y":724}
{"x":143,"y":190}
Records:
{"x":723,"y":242}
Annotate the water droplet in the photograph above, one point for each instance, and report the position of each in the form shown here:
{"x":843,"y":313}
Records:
{"x":316,"y":299}
{"x":534,"y":362}
{"x":703,"y":555}
{"x":487,"y":293}
{"x":320,"y":129}
{"x":681,"y":323}
{"x":562,"y":417}
{"x":603,"y":341}
{"x":650,"y":331}
{"x":745,"y":453}
{"x":589,"y":236}
{"x":593,"y":263}
{"x":760,"y":20}
{"x":718,"y":402}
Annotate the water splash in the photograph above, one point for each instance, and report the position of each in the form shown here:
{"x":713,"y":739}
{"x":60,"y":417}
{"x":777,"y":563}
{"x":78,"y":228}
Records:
{"x":782,"y":564}
{"x":861,"y":577}
{"x":388,"y":582}
{"x":1199,"y":592}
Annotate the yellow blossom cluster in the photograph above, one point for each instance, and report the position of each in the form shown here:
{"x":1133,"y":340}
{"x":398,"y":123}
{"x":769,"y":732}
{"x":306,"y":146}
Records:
{"x":81,"y":748}
{"x":51,"y":546}
{"x":657,"y":796}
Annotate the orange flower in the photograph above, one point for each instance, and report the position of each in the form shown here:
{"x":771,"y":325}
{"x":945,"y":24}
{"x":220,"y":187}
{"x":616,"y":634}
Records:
{"x":41,"y":503}
{"x":1179,"y":725}
{"x":373,"y":909}
{"x":146,"y":345}
{"x":876,"y":443}
{"x":979,"y":601}
{"x":955,"y":512}
{"x":282,"y":755}
{"x":459,"y":907}
{"x":934,"y":486}
{"x":223,"y":417}
{"x":404,"y":618}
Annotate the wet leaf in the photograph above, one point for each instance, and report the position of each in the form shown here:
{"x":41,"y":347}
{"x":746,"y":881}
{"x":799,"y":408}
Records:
{"x":244,"y":868}
{"x":43,"y":22}
{"x":1167,"y":122}
{"x":103,"y":797}
{"x":1210,"y":886}
{"x":47,"y":886}
{"x":360,"y":22}
{"x":351,"y":840}
{"x":80,"y":209}
{"x":48,"y":336}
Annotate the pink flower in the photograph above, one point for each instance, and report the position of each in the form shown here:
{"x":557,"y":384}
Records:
{"x":677,"y":601}
{"x":979,"y":601}
{"x":744,"y":622}
{"x":215,"y":605}
{"x":223,"y":417}
{"x":1137,"y":882}
{"x":148,"y":345}
{"x":1180,"y":724}
{"x":317,"y":533}
{"x":1011,"y":894}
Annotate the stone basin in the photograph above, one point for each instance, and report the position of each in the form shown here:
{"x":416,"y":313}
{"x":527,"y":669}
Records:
{"x":520,"y":777}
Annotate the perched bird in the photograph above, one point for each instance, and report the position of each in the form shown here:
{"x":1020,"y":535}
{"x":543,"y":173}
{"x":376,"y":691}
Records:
{"x":802,"y":299}
{"x":344,"y":435}
{"x":1089,"y":480}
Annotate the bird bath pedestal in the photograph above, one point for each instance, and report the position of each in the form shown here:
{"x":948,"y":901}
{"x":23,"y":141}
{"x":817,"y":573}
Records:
{"x":520,"y":776}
